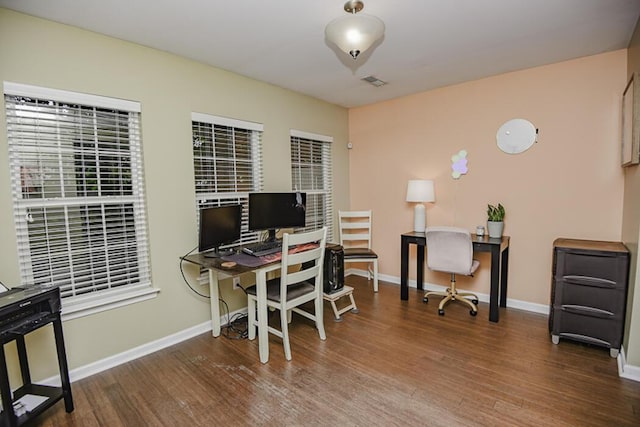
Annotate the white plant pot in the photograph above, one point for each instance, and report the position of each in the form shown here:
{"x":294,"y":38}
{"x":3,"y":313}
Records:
{"x":495,"y":228}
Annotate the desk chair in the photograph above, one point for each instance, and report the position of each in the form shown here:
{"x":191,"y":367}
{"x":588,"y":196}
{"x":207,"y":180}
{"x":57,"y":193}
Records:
{"x":450,"y":250}
{"x":355,"y":237}
{"x":294,"y":286}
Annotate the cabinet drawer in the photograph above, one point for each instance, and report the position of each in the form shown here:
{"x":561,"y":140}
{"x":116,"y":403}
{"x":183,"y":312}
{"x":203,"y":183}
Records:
{"x":606,"y":332}
{"x":611,"y":266}
{"x":580,"y":293}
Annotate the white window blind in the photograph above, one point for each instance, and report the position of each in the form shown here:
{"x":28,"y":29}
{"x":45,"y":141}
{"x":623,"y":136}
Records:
{"x":78,"y":192}
{"x":311,"y":173}
{"x":227,"y":164}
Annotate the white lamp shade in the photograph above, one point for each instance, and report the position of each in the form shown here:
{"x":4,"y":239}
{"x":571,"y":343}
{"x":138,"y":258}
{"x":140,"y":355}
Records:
{"x":354,"y":33}
{"x":420,"y":190}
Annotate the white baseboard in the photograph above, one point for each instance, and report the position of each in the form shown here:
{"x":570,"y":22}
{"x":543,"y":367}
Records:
{"x":625,"y":370}
{"x":512,"y":303}
{"x":137,"y":352}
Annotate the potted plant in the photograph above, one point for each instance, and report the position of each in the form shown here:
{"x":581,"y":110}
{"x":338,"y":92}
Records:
{"x":495,"y":220}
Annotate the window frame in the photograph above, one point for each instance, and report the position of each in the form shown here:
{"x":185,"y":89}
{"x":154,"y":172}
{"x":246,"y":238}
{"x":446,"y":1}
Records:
{"x":323,"y":184}
{"x":253,"y":131}
{"x":96,"y":300}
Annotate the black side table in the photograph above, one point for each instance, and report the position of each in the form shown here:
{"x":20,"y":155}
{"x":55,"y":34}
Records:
{"x":23,"y":310}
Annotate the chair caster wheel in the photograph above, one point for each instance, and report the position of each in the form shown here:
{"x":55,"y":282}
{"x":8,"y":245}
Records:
{"x":474,"y":301}
{"x":425,"y":300}
{"x":441,"y":312}
{"x":473,"y":313}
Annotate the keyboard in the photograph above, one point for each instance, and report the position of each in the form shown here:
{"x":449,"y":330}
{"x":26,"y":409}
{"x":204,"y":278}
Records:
{"x":263,"y":248}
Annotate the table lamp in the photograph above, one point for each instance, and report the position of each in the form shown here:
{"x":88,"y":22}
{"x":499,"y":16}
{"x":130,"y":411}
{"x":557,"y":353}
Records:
{"x":420,"y":190}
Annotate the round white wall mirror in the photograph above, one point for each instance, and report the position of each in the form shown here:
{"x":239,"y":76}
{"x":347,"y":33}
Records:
{"x":516,"y":136}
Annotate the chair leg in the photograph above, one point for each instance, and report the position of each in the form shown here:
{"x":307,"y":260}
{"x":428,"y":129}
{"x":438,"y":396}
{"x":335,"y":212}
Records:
{"x":468,"y":294}
{"x":444,"y":301}
{"x":473,"y":307}
{"x":284,"y":327}
{"x":438,"y":293}
{"x":251,"y":321}
{"x":319,"y":307}
{"x":375,"y":276}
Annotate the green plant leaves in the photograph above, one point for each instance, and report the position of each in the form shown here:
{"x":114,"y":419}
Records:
{"x":495,"y":213}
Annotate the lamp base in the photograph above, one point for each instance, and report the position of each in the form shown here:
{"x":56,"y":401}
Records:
{"x":419,"y":218}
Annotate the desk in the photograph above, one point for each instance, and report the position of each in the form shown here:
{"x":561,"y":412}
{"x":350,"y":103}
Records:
{"x":499,"y":249}
{"x":216,"y":272}
{"x":21,"y":312}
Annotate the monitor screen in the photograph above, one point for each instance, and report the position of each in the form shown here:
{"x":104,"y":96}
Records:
{"x":218,"y":226}
{"x":271,"y":211}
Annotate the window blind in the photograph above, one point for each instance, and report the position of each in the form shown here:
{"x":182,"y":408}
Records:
{"x":311,"y":173}
{"x":227,"y":164}
{"x":78,"y":191}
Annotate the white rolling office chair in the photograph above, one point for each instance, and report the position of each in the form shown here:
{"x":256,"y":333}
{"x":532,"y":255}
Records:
{"x":355,"y":237}
{"x":294,"y":287}
{"x":450,"y":250}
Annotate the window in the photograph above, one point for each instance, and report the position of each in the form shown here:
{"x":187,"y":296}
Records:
{"x":78,"y":195}
{"x":227,"y":164}
{"x":311,"y":173}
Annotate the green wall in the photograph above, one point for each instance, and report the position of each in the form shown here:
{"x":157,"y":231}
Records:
{"x":43,"y":53}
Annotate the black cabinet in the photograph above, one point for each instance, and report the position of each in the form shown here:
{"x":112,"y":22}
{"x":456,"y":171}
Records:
{"x":589,"y":292}
{"x":21,"y":312}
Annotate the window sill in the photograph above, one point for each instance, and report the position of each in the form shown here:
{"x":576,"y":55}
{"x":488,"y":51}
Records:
{"x":87,"y":305}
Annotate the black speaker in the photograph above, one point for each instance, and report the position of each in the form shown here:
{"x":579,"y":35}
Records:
{"x":333,"y":274}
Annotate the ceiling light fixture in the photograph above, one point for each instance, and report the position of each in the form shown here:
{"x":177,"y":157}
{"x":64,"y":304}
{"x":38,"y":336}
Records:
{"x":355,"y":33}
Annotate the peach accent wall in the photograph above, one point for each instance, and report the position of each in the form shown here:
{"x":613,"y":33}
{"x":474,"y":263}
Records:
{"x":569,"y":184}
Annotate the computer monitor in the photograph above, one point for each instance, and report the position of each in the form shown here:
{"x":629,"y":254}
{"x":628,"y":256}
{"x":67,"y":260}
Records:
{"x":271,"y":211}
{"x":219,"y":225}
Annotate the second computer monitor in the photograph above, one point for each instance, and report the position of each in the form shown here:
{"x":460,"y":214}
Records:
{"x":219,"y":225}
{"x":272,"y":211}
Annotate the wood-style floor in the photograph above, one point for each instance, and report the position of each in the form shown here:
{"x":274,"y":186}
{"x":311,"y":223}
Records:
{"x":396,"y":363}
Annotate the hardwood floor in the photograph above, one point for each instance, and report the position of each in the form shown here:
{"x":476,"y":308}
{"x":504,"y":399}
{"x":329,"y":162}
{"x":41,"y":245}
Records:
{"x":396,"y":363}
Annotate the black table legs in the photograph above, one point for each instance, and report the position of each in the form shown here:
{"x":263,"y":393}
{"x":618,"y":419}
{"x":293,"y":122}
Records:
{"x":404,"y":268}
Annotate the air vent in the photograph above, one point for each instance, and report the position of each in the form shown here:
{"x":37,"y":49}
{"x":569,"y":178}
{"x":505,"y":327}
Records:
{"x":374,"y":81}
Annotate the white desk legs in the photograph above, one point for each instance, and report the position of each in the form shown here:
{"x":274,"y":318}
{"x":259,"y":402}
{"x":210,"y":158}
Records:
{"x":215,"y":304}
{"x":261,"y":291}
{"x":263,"y":325}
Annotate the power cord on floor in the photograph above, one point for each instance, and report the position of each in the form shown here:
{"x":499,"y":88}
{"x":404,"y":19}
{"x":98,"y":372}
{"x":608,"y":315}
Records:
{"x":236,"y":327}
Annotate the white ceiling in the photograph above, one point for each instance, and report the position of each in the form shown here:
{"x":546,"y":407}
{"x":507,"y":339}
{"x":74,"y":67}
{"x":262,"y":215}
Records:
{"x":427,"y":44}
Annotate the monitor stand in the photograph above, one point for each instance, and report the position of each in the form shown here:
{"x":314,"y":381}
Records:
{"x":272,"y":235}
{"x":218,"y":253}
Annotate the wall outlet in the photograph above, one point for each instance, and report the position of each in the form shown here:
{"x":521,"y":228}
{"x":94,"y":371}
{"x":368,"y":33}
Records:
{"x":236,"y":282}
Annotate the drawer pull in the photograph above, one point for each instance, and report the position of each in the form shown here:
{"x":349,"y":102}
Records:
{"x":580,"y":309}
{"x":585,"y":338}
{"x":589,"y":281}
